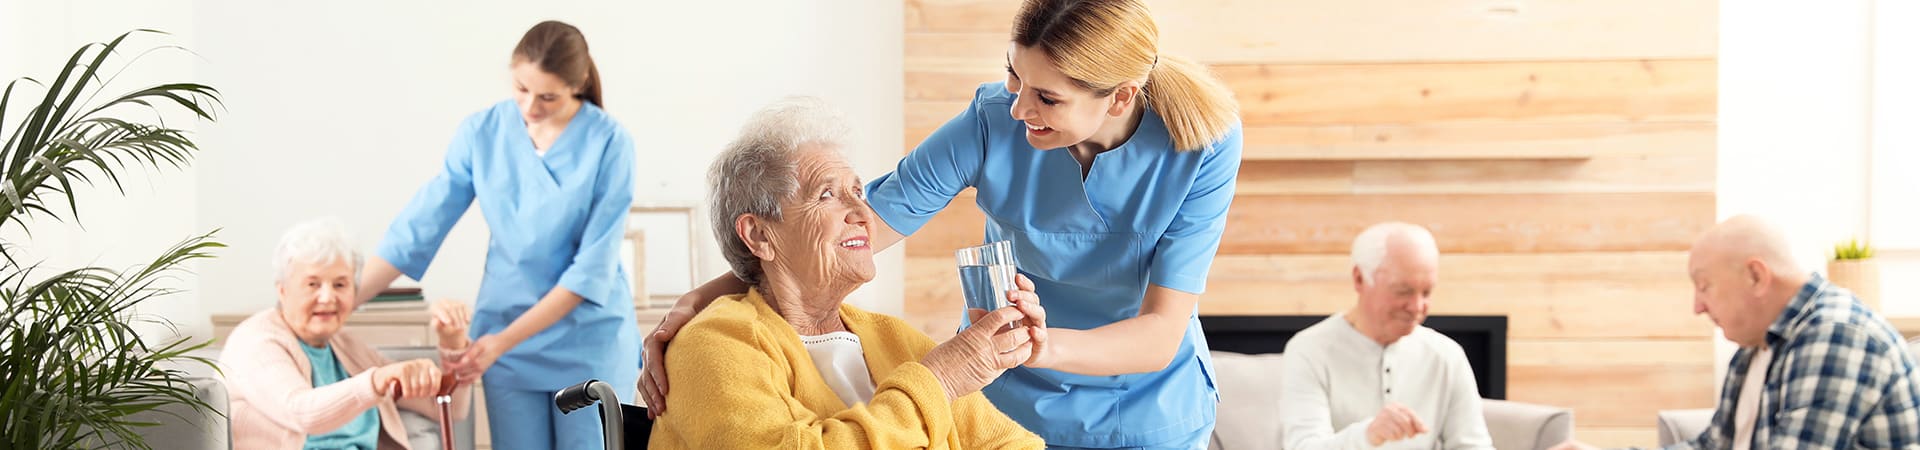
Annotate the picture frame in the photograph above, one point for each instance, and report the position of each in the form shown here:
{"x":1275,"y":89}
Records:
{"x":660,"y":254}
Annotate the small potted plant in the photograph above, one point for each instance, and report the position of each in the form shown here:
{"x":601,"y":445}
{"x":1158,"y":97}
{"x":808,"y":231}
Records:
{"x":1853,"y":268}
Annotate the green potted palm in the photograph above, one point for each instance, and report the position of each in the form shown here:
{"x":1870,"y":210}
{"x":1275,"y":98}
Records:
{"x":73,"y":371}
{"x":1853,"y":268}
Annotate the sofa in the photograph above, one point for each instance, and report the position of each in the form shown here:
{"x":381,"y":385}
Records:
{"x":1681,"y":425}
{"x":179,"y":427}
{"x":1249,"y":413}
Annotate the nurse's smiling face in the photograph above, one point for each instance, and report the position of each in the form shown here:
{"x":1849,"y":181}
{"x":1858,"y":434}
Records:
{"x":1058,"y":112}
{"x":820,"y":241}
{"x":543,"y":97}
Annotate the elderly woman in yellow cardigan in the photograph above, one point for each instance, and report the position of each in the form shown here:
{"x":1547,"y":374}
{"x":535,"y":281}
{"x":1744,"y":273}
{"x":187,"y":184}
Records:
{"x":788,"y":364}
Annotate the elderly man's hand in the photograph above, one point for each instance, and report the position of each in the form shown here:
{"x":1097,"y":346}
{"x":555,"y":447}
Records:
{"x":1574,"y":445}
{"x":1395,"y":422}
{"x":450,"y":319}
{"x":980,"y":353}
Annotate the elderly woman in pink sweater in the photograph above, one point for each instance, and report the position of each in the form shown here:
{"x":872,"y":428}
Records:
{"x":297,"y":381}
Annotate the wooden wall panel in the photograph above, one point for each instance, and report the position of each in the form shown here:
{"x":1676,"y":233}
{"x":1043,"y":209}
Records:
{"x":1295,"y":177}
{"x":1615,"y":395}
{"x":1471,"y":223}
{"x":1426,"y":141}
{"x":1562,"y":151}
{"x":1477,"y":141}
{"x":1609,"y":174}
{"x":1393,"y":93}
{"x":1386,"y":30}
{"x":1523,"y":91}
{"x":1583,"y":296}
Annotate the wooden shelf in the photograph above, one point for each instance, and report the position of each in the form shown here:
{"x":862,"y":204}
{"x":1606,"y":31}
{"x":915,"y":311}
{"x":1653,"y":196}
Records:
{"x":1475,"y":141}
{"x":1404,"y":154}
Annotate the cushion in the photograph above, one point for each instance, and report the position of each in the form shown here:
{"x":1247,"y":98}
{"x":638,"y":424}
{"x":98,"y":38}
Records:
{"x":1249,"y":412}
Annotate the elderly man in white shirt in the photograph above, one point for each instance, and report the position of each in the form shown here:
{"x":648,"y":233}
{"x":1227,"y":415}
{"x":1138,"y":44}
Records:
{"x":1372,"y":377}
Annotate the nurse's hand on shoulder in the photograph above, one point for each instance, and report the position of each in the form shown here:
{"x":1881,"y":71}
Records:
{"x":1024,"y":299}
{"x":449,"y":319}
{"x":478,"y":357}
{"x":980,"y":353}
{"x":415,"y":379}
{"x":653,"y":365}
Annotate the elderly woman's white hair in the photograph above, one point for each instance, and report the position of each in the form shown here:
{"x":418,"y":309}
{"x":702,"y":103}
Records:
{"x":318,"y":241}
{"x":756,"y":171}
{"x":1370,"y":249}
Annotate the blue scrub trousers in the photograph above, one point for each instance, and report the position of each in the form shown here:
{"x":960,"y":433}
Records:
{"x":522,"y":419}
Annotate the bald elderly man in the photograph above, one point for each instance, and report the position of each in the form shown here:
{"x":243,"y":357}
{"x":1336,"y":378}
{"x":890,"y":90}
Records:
{"x":1372,"y":377}
{"x":1816,"y":368}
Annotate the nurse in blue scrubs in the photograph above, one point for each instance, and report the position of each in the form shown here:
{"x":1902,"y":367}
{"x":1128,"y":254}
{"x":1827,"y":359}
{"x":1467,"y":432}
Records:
{"x":553,"y":176}
{"x":1110,"y":166}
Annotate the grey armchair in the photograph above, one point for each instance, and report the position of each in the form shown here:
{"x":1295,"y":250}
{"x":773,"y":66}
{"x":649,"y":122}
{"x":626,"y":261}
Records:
{"x":1249,"y":412}
{"x":181,"y":427}
{"x":184,"y":429}
{"x":1526,"y":425}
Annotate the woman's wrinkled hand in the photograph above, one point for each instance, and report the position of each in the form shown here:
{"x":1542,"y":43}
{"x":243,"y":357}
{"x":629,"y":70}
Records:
{"x":980,"y":353}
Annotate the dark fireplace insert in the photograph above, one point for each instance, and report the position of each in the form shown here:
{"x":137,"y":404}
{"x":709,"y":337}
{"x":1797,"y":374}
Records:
{"x":1484,"y":338}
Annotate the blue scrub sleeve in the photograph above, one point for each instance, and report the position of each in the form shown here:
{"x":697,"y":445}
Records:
{"x":1185,"y":252}
{"x":928,"y":178}
{"x":416,"y":234}
{"x":592,"y":272}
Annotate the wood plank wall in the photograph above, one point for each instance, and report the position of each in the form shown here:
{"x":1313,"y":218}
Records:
{"x":1562,"y":152}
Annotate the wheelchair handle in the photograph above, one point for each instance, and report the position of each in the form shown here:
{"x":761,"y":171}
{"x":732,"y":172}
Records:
{"x":586,"y":394}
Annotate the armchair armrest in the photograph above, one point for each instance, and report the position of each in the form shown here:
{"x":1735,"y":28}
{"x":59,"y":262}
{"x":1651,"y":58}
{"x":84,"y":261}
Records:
{"x":1516,"y":425}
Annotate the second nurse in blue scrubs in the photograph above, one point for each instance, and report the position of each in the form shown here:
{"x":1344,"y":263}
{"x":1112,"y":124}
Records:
{"x":1110,"y":166}
{"x":553,"y":175}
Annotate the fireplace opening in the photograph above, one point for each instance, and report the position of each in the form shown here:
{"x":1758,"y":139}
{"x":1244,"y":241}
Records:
{"x":1483,"y":338}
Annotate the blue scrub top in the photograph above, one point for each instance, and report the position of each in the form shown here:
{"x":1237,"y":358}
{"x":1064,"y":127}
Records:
{"x":1144,"y":214}
{"x":553,"y":221}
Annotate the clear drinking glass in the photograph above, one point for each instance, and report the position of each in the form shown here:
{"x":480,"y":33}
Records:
{"x":986,"y":274}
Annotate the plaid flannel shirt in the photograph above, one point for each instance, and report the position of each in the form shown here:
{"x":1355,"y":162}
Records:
{"x":1841,"y":378}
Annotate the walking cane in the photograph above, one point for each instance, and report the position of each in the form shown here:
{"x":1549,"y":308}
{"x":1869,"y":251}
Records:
{"x":444,"y":398}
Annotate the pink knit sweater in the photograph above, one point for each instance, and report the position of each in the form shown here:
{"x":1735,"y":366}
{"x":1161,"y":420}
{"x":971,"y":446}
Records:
{"x":275,"y":405}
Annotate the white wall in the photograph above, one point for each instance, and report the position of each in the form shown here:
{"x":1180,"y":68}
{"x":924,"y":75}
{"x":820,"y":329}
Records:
{"x":1894,"y":217}
{"x":1815,"y":117}
{"x":1793,"y":119}
{"x":345,"y":108}
{"x":157,"y":211}
{"x":1816,"y":121}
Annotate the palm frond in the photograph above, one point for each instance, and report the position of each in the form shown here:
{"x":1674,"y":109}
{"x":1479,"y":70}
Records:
{"x":74,"y":373}
{"x":63,"y":142}
{"x":74,"y":370}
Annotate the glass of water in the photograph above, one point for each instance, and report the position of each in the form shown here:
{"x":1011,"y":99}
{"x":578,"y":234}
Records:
{"x":986,"y":274}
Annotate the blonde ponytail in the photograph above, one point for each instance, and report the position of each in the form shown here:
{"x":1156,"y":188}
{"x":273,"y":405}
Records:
{"x":1101,"y":44}
{"x":1196,"y":106}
